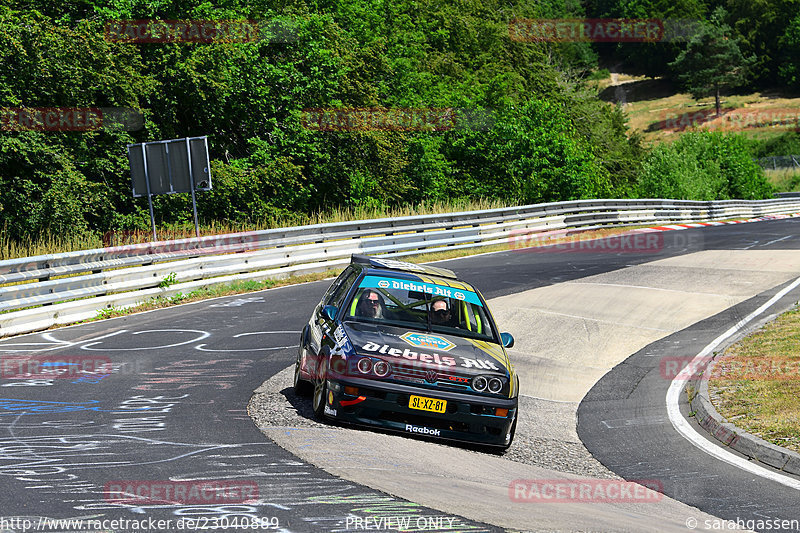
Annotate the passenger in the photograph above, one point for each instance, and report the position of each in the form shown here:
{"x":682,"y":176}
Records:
{"x":440,"y":313}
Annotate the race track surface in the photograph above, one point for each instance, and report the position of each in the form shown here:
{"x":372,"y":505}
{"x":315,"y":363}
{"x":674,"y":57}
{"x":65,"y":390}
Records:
{"x":173,"y":410}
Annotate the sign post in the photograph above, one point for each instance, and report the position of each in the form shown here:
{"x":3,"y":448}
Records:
{"x":169,"y":167}
{"x":149,"y":196}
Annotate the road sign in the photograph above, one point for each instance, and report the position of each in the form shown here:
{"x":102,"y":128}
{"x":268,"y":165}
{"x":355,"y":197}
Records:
{"x":169,"y":167}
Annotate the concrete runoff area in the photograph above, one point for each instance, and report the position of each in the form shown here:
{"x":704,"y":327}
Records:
{"x":459,"y":481}
{"x":567,"y":337}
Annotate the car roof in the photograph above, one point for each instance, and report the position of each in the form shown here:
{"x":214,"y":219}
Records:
{"x":392,"y":264}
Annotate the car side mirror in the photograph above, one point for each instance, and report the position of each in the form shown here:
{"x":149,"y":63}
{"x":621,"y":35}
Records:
{"x":329,"y":312}
{"x":508,"y":340}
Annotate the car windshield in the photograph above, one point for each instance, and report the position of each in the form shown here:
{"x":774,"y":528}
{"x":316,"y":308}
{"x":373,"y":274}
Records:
{"x":452,"y":308}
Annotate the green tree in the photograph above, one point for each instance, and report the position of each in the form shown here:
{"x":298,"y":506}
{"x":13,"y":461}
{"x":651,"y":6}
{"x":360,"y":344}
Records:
{"x":648,"y":58}
{"x":759,"y":26}
{"x":712,"y":61}
{"x":789,"y":67}
{"x":532,"y":153}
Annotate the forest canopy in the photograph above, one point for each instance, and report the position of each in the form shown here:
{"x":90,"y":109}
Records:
{"x":543,"y":134}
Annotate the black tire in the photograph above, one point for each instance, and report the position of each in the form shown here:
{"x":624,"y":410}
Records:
{"x":320,"y":390}
{"x":301,"y":386}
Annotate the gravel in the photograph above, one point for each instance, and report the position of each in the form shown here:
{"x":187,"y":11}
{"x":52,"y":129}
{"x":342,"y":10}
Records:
{"x":545,"y":435}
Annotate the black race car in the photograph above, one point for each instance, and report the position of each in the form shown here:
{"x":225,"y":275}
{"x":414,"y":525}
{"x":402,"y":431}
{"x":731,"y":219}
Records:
{"x":409,"y":348}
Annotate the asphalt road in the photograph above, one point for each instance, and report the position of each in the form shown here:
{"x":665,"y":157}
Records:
{"x":623,"y":422}
{"x":173,"y":410}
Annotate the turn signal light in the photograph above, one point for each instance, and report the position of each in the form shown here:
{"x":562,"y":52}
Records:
{"x":501,"y":412}
{"x":353,"y":391}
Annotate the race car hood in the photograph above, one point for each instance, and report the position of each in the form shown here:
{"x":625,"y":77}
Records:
{"x":433,"y":350}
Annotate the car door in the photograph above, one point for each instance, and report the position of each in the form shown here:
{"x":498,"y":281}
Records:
{"x":321,"y":326}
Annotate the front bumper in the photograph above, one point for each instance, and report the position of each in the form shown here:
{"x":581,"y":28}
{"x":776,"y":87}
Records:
{"x":467,"y":418}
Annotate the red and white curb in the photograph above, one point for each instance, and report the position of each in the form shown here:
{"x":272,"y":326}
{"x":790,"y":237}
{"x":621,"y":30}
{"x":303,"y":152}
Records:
{"x":672,"y":227}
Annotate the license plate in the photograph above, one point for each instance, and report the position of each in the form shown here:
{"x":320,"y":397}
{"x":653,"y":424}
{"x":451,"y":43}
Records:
{"x":427,"y":404}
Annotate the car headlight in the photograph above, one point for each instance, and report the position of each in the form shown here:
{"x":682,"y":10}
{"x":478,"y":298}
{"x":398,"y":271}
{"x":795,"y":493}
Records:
{"x":480,"y":383}
{"x":364,"y":365}
{"x":495,"y":385}
{"x":381,"y":368}
{"x":491,"y":384}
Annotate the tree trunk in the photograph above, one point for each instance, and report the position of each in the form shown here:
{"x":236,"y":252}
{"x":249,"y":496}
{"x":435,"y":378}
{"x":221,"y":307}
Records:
{"x":716,"y":99}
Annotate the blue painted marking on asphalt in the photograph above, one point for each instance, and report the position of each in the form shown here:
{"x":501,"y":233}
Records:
{"x":11,"y":406}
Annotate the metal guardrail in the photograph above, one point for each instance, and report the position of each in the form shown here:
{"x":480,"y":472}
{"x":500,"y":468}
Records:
{"x":39,"y":292}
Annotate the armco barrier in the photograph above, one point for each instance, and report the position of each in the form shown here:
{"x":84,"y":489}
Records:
{"x":39,"y":292}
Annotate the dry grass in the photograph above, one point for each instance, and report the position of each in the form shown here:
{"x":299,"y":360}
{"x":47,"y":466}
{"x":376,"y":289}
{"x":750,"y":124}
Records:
{"x":51,"y":244}
{"x":784,"y":179}
{"x":756,"y":383}
{"x":215,"y":291}
{"x":653,"y":106}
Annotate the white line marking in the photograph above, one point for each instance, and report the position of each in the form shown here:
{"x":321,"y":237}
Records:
{"x":263,"y":333}
{"x":777,"y":240}
{"x":203,"y":335}
{"x":202,"y":348}
{"x":683,"y":427}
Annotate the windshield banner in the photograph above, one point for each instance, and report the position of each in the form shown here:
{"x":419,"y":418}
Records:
{"x":379,"y":282}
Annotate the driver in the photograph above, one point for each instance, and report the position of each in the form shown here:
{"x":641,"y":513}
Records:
{"x":370,"y":304}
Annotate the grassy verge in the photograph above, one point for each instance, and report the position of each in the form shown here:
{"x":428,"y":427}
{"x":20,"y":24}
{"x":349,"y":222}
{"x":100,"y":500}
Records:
{"x":784,"y":179}
{"x":204,"y":293}
{"x":757,"y":384}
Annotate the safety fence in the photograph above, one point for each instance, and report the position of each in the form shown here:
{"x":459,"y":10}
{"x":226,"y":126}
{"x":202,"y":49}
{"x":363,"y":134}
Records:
{"x":39,"y":292}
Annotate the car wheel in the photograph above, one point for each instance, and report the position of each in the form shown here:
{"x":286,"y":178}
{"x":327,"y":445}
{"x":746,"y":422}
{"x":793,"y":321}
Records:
{"x":301,"y":386}
{"x":320,"y":390}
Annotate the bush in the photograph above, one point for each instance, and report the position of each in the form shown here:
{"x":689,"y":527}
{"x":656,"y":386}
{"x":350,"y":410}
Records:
{"x":532,"y":153}
{"x":703,"y":166}
{"x":787,"y":143}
